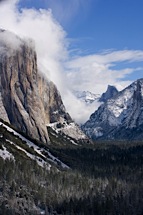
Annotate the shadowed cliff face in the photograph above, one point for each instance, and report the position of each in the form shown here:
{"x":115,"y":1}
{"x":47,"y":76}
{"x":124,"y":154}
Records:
{"x":28,"y":101}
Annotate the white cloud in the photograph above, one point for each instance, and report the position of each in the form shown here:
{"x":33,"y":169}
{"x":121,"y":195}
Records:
{"x":95,"y":72}
{"x":9,"y":43}
{"x":79,"y":110}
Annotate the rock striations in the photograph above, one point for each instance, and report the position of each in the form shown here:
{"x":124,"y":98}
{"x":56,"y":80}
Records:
{"x":120,"y":117}
{"x":28,"y":100}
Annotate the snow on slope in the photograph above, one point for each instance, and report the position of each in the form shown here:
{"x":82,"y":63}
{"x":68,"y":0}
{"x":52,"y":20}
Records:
{"x":120,"y":116}
{"x":5,"y":154}
{"x":117,"y":106}
{"x":71,"y":130}
{"x":42,"y":160}
{"x":39,"y":161}
{"x":86,"y":96}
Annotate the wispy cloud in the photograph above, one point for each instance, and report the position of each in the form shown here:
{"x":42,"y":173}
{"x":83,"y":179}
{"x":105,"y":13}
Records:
{"x":95,"y":72}
{"x":65,"y":11}
{"x":108,"y":57}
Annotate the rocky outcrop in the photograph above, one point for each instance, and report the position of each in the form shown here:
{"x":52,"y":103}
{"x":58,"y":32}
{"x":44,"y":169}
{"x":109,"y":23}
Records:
{"x":110,"y":92}
{"x":120,"y":117}
{"x":28,"y":100}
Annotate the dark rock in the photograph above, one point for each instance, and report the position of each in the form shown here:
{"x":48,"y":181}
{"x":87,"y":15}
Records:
{"x":110,"y":92}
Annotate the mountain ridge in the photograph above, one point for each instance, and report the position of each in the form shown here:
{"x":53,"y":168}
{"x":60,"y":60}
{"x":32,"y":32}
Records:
{"x":119,"y":117}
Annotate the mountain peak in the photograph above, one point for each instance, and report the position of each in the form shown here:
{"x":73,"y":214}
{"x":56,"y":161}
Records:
{"x":110,"y":92}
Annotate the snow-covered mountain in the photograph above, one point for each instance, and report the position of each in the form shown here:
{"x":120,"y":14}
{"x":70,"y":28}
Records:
{"x":120,"y":117}
{"x":89,"y":97}
{"x":86,"y":96}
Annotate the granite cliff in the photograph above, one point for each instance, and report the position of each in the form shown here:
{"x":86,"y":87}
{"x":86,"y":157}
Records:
{"x":28,"y":100}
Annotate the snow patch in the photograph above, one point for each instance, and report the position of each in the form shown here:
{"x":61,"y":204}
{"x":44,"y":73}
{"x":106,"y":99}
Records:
{"x":117,"y":106}
{"x":86,"y":96}
{"x":5,"y":154}
{"x":39,"y":160}
{"x":73,"y":131}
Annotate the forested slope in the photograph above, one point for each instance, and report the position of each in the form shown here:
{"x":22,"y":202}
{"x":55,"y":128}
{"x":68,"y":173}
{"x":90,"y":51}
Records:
{"x":103,"y":178}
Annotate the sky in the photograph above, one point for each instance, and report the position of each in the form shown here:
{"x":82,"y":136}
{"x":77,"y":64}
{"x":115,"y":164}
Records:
{"x":82,"y":45}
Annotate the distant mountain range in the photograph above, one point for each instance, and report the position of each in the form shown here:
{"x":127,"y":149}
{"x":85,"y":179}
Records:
{"x":120,"y":117}
{"x":86,"y":96}
{"x":89,"y":97}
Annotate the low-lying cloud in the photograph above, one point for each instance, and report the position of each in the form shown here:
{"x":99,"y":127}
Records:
{"x":92,"y":72}
{"x":9,"y":43}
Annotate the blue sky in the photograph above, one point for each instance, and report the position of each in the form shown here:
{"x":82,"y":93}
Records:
{"x":111,"y":24}
{"x":98,"y":24}
{"x":81,"y":44}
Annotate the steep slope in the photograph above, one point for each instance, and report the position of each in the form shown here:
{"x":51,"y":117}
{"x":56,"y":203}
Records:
{"x":28,"y":100}
{"x":14,"y":145}
{"x":120,"y":117}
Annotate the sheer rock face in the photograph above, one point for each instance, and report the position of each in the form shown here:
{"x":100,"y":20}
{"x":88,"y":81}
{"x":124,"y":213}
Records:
{"x":19,"y":90}
{"x":110,"y":92}
{"x":27,"y":100}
